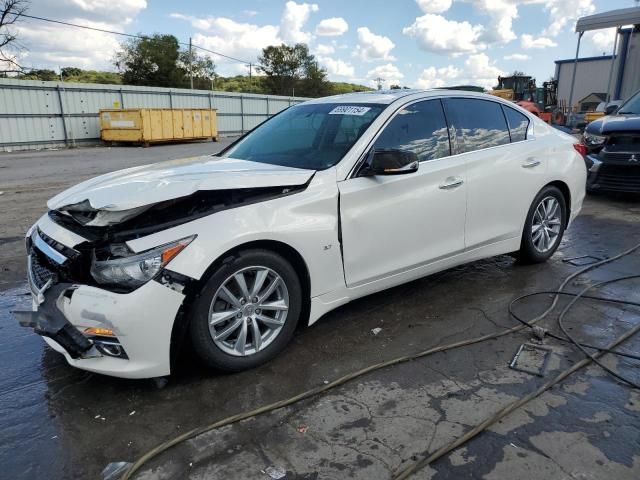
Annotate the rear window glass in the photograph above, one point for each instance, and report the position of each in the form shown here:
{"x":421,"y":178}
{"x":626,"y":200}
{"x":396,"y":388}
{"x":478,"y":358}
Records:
{"x":478,"y":123}
{"x":518,"y":124}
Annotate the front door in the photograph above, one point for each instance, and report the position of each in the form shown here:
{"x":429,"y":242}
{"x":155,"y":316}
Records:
{"x":391,"y":224}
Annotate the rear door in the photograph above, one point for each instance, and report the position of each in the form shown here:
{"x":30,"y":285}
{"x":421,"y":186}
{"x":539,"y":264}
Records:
{"x":504,"y":167}
{"x":391,"y":224}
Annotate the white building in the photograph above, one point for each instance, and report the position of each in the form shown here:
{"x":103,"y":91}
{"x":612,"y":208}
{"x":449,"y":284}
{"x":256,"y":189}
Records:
{"x":618,"y":75}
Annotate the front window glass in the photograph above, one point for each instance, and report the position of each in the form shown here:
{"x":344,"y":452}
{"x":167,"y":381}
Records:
{"x":631,"y":106}
{"x":420,"y":128}
{"x":478,"y":123}
{"x":313,"y":136}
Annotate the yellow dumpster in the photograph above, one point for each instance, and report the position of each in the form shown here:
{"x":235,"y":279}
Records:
{"x":591,"y":116}
{"x":148,"y":125}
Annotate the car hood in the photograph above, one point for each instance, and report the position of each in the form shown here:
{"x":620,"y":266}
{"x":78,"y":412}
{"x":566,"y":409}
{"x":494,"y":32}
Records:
{"x":134,"y":188}
{"x":614,"y":123}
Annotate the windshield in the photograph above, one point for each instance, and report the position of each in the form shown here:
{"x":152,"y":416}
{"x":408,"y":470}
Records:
{"x":311,"y":136}
{"x":631,"y":106}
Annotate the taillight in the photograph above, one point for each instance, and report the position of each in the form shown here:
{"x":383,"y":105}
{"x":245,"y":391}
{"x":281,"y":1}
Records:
{"x":580,"y":148}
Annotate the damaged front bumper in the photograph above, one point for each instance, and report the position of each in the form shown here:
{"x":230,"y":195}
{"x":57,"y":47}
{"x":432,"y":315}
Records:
{"x":65,"y":314}
{"x":48,"y":321}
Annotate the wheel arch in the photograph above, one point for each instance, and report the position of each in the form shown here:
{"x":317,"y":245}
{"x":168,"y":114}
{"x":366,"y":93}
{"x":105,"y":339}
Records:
{"x":181,"y":322}
{"x":566,"y":193}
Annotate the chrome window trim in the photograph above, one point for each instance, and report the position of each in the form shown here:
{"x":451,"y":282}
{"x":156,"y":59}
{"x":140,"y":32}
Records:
{"x":363,"y":153}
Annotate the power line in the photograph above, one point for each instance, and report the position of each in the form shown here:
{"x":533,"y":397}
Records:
{"x":130,"y":35}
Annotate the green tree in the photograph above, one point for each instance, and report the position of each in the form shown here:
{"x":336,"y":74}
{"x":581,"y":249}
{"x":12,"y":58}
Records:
{"x":39,"y":74}
{"x":290,"y":70}
{"x":151,"y":61}
{"x":314,"y":83}
{"x":202,"y":68}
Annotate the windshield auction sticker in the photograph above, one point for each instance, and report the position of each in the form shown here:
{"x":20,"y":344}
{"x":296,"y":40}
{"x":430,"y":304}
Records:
{"x":349,"y":110}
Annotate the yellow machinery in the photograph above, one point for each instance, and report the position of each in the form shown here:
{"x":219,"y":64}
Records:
{"x":149,"y":125}
{"x":506,"y":93}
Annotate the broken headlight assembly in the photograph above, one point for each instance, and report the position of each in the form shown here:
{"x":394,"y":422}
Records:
{"x":127,"y":270}
{"x":592,"y":140}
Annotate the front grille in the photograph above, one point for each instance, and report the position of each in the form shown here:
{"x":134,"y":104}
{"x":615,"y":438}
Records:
{"x":619,"y":178}
{"x":624,"y":157}
{"x":40,"y":272}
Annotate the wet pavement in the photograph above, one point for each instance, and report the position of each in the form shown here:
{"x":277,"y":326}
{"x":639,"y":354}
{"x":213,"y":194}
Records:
{"x":57,"y":422}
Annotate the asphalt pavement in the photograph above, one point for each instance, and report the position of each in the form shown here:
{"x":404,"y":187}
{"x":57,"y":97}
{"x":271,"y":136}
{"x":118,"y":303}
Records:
{"x":57,"y":422}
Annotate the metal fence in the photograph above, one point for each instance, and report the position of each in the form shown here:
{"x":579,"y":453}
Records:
{"x":35,"y":114}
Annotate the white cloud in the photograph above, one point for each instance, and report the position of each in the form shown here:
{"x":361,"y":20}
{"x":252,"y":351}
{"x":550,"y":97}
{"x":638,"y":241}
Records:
{"x":323,"y":50}
{"x":502,"y":14}
{"x":601,"y":41}
{"x":434,"y":6}
{"x":373,"y":47}
{"x":293,"y":19}
{"x":529,"y":41}
{"x":114,"y":12}
{"x":51,"y":45}
{"x":250,"y":13}
{"x":520,"y":57}
{"x":480,"y":70}
{"x":332,"y":27}
{"x":565,"y":12}
{"x":434,"y":33}
{"x":437,"y":77}
{"x":336,"y":67}
{"x":389,"y":74}
{"x":235,"y":39}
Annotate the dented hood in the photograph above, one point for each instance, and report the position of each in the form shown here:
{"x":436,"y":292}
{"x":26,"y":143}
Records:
{"x":145,"y":185}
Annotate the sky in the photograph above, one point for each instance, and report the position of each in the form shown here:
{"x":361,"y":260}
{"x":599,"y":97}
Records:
{"x":413,"y":43}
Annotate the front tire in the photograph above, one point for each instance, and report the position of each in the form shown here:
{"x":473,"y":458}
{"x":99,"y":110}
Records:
{"x":247,"y":311}
{"x":544,"y":226}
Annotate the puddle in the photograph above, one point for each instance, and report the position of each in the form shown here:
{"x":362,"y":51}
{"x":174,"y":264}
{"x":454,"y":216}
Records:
{"x":30,"y":446}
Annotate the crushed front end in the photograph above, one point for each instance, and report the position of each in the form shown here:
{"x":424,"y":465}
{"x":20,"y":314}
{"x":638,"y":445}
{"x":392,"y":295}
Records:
{"x":118,"y":330}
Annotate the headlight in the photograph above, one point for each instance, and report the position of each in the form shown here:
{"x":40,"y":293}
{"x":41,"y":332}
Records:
{"x":135,"y":270}
{"x":593,"y":140}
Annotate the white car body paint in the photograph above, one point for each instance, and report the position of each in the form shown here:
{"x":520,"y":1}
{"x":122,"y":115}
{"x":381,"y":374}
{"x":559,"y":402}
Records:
{"x":147,"y":184}
{"x":394,"y":228}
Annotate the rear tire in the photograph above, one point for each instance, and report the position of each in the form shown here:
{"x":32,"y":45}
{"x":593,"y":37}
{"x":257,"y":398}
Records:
{"x":264,"y":321}
{"x":544,"y":226}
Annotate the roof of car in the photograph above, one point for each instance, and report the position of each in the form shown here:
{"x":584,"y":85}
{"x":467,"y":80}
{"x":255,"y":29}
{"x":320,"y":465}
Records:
{"x":390,"y":96}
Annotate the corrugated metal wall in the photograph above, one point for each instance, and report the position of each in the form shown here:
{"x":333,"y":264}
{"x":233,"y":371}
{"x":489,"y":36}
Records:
{"x":36,"y":114}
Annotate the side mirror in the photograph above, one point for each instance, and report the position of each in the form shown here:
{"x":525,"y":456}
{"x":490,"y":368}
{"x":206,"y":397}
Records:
{"x":610,"y":109}
{"x":390,"y":162}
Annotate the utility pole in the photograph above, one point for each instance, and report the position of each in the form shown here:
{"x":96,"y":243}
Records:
{"x":250,"y":80}
{"x":379,"y":82}
{"x":190,"y":63}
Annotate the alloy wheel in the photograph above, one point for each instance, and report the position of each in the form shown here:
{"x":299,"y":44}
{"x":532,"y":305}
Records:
{"x":248,"y":311}
{"x":546,"y":224}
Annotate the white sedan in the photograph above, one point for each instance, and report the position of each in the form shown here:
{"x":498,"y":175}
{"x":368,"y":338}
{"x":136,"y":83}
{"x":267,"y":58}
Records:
{"x":328,"y":201}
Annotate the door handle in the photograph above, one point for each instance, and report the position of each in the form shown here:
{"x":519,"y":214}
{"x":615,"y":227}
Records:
{"x":531,"y":162}
{"x":451,"y":182}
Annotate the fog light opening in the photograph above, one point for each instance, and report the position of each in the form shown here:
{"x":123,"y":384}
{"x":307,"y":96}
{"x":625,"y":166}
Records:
{"x":109,"y":347}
